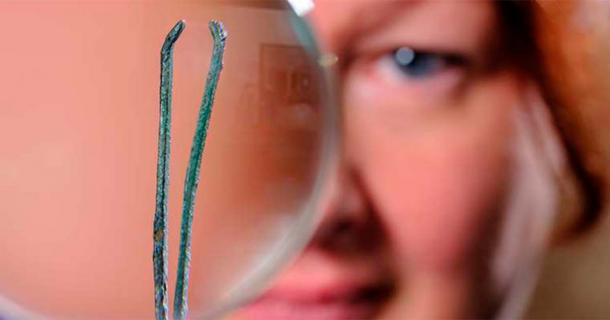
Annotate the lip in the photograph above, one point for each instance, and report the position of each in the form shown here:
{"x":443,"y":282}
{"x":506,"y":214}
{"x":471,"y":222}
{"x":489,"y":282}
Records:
{"x":344,"y":303}
{"x":326,"y":285}
{"x":286,"y":309}
{"x":315,"y":291}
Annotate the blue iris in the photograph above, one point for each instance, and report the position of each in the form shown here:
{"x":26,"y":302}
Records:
{"x":417,"y":64}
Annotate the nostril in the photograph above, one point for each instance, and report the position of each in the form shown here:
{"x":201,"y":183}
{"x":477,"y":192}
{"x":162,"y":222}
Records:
{"x":351,"y":226}
{"x":342,"y":234}
{"x":344,"y":225}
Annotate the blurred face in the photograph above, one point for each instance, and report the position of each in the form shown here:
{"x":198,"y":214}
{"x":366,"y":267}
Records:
{"x":426,"y":169}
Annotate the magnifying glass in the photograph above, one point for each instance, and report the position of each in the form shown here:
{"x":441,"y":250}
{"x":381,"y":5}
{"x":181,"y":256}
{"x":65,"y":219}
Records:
{"x":79,"y":198}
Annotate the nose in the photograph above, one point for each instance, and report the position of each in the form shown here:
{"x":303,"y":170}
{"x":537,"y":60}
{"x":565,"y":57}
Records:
{"x":349,"y":225}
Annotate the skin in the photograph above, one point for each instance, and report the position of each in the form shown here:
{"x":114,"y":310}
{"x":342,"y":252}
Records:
{"x":425,"y":172}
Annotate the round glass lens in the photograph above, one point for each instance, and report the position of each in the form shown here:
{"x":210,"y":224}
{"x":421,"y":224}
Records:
{"x":80,"y":121}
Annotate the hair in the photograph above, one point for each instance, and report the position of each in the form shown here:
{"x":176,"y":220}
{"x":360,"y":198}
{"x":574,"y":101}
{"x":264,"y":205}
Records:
{"x":560,"y":45}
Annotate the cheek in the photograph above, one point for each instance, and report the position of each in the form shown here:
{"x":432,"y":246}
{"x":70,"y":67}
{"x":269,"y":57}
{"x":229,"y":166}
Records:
{"x":438,"y":185}
{"x":441,"y":201}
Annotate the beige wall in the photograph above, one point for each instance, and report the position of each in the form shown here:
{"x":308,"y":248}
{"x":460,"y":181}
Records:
{"x":574,"y":283}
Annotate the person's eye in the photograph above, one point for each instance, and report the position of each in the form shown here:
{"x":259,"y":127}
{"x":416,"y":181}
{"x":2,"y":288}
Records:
{"x":402,"y":73}
{"x":419,"y":65}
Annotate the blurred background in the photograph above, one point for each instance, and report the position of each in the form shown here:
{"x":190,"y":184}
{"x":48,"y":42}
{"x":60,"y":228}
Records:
{"x":573,"y":282}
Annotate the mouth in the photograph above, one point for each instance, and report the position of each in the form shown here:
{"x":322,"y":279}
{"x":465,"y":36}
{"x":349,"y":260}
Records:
{"x":338,"y":303}
{"x":347,"y":278}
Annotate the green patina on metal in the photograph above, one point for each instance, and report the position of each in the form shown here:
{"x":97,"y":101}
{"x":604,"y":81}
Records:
{"x":191,"y":182}
{"x":160,"y":222}
{"x":219,"y":36}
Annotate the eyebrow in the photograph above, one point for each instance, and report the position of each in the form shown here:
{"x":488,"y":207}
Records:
{"x":361,"y":23}
{"x":422,"y":26}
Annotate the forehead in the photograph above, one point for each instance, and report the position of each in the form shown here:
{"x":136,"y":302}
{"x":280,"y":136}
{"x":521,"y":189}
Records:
{"x":339,"y":21}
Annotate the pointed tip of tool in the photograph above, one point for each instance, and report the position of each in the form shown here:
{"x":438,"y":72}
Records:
{"x":177,"y":29}
{"x":218,"y":30}
{"x":181,"y":24}
{"x":173,"y":35}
